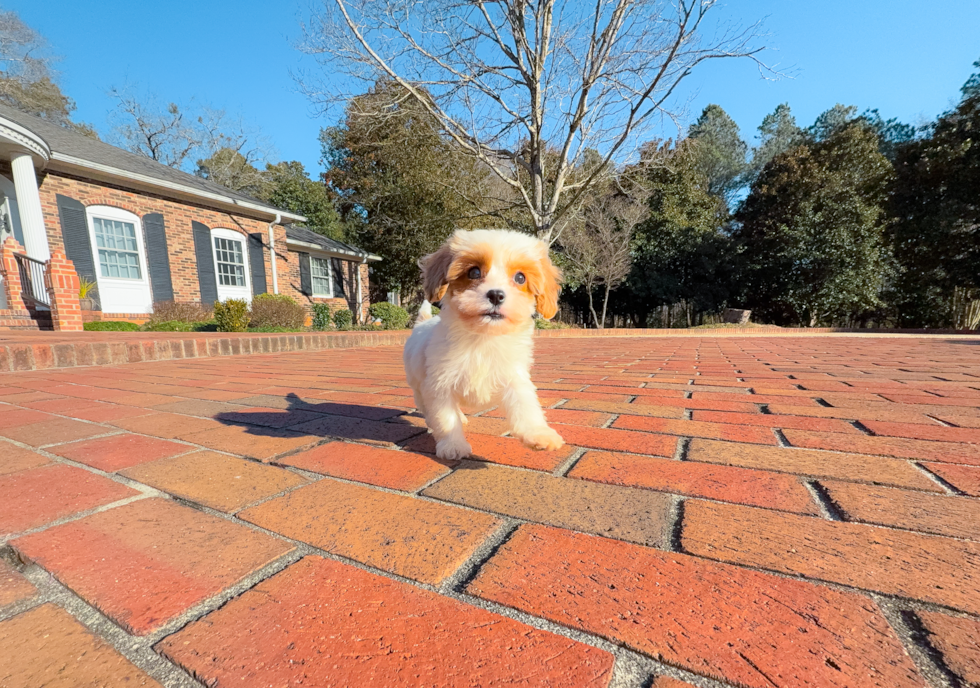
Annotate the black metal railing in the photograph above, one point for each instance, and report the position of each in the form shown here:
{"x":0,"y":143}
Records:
{"x":32,"y":280}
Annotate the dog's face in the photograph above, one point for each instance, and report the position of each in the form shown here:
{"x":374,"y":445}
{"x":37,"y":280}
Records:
{"x":493,"y":280}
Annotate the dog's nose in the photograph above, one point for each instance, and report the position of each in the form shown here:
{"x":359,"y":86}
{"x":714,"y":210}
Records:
{"x":496,"y":296}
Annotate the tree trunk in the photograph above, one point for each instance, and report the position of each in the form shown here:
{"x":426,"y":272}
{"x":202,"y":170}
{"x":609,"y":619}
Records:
{"x":605,"y":305}
{"x":595,"y":317}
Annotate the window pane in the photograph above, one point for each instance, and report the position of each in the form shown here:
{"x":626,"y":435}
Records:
{"x":118,"y":251}
{"x":231,"y":262}
{"x":320,"y":272}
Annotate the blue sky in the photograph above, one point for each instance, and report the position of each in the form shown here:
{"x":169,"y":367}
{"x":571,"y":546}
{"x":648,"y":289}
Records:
{"x":896,"y":55}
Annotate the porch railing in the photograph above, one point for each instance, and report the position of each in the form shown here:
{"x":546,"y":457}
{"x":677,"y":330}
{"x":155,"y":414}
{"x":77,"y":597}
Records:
{"x":32,"y":280}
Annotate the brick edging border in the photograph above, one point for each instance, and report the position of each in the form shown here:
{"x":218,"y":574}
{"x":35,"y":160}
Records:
{"x":35,"y":356}
{"x":66,"y":354}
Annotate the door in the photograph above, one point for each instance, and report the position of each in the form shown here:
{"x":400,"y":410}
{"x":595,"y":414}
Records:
{"x":231,"y":265}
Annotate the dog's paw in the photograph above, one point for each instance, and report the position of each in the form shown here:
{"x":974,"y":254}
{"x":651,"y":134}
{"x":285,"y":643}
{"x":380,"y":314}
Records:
{"x":543,"y":438}
{"x":453,"y":450}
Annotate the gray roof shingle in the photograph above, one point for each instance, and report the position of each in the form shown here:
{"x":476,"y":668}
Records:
{"x":307,"y":236}
{"x":71,"y":143}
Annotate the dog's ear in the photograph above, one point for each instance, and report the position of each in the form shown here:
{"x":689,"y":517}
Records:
{"x":546,"y":300}
{"x":435,"y":273}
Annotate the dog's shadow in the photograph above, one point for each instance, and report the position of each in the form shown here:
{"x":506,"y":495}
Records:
{"x":380,"y":425}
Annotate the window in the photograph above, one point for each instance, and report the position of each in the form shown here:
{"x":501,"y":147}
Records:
{"x":118,"y":252}
{"x":338,"y":277}
{"x":320,"y":272}
{"x":230,"y":259}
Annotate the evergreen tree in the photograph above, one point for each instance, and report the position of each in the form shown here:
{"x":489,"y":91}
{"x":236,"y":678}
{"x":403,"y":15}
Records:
{"x":777,"y":134}
{"x":679,"y":252}
{"x":936,"y":202}
{"x":720,"y":151}
{"x":811,"y":228}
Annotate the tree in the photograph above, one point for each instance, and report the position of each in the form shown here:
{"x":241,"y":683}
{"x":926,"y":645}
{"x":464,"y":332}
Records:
{"x":597,"y":248}
{"x":892,"y":134}
{"x":288,"y":186}
{"x":811,"y":228}
{"x":831,"y":121}
{"x":234,"y":171}
{"x":720,"y":151}
{"x":526,"y":88}
{"x":27,"y":77}
{"x":936,"y":236}
{"x":679,"y":252}
{"x":171,"y":136}
{"x":390,"y":171}
{"x":777,"y":134}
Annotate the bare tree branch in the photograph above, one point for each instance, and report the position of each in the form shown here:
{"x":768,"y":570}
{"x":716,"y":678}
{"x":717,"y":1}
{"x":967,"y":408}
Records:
{"x":528,"y":88}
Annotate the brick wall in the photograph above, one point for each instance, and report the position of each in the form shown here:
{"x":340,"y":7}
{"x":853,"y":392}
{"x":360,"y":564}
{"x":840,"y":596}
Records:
{"x":289,"y":284}
{"x":178,"y":216}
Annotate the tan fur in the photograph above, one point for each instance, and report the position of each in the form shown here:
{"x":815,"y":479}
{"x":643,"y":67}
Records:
{"x":477,"y":353}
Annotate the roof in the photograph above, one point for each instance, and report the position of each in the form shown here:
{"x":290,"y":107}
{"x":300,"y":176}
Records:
{"x":298,"y":235}
{"x":79,"y":154}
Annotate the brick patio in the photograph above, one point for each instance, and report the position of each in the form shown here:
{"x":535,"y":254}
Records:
{"x":753,"y":511}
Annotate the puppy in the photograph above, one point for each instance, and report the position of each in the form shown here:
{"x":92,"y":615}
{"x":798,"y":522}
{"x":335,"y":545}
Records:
{"x":477,"y":352}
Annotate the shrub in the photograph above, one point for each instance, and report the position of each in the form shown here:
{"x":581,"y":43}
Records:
{"x":343,"y":319}
{"x":392,"y":317}
{"x":321,"y":316}
{"x":168,"y":311}
{"x":169,"y":326}
{"x":277,"y":310}
{"x":542,"y":324}
{"x":231,"y":315}
{"x":110,"y":326}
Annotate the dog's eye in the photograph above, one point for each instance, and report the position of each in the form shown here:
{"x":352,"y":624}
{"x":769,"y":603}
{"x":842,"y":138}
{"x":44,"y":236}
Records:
{"x":474,"y":273}
{"x":520,"y":278}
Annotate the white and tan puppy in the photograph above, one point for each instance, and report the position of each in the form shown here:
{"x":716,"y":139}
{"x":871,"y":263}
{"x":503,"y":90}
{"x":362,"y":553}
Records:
{"x":477,"y":352}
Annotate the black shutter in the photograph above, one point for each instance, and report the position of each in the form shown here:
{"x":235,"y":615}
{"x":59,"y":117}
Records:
{"x":256,"y":262}
{"x":205,"y":263}
{"x":305,"y":278}
{"x":74,"y":231}
{"x":337,"y":269}
{"x":157,"y":257}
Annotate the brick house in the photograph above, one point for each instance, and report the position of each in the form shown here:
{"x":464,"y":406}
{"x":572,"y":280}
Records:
{"x":146,"y":233}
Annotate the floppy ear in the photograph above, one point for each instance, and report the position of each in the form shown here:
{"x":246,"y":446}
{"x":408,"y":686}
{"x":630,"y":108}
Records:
{"x":435,"y":273}
{"x":546,"y":301}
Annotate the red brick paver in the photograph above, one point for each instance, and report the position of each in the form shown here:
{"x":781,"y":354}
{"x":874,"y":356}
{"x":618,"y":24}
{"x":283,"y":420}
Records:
{"x":733,"y":507}
{"x":144,"y":563}
{"x":47,"y":647}
{"x":710,"y":618}
{"x":367,"y":630}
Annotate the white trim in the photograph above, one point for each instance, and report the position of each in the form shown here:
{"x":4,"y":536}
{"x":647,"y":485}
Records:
{"x":70,"y":161}
{"x":114,"y":289}
{"x":304,"y":247}
{"x":232,"y":292}
{"x":23,"y":136}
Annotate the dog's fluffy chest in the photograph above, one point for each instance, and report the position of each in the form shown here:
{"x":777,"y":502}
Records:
{"x":480,"y":370}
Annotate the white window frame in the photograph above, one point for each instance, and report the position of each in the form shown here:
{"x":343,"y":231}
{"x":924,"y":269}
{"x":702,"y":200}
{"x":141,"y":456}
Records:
{"x":121,"y":290}
{"x":108,"y":212}
{"x":329,"y":277}
{"x":221,"y":233}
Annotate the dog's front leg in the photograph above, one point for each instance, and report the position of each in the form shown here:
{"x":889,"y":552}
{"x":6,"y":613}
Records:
{"x":443,"y":418}
{"x":527,"y":421}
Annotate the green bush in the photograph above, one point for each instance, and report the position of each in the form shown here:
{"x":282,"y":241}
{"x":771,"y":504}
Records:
{"x":321,"y":316}
{"x":343,"y":319}
{"x":392,"y":317}
{"x":231,"y":315}
{"x":278,"y":311}
{"x":110,"y":326}
{"x":542,"y":324}
{"x":169,"y":326}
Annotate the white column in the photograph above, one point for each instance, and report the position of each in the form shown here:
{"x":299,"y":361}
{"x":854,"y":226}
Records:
{"x":29,"y":204}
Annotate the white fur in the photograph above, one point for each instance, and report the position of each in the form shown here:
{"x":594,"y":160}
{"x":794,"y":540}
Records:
{"x":454,"y":362}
